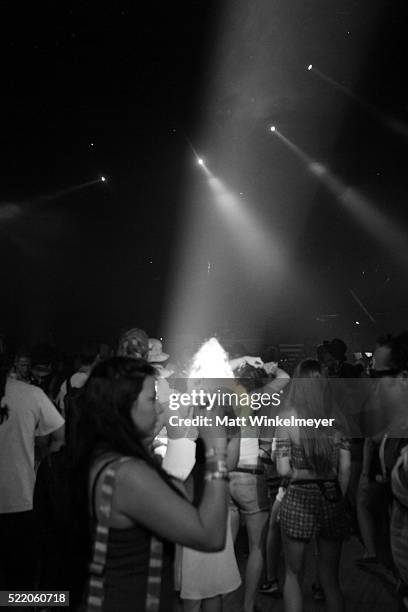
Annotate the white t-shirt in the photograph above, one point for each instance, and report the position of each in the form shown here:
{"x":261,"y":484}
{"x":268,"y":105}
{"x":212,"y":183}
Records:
{"x":179,"y":459}
{"x":163,"y":390}
{"x":77,"y":381}
{"x":248,"y":452}
{"x":31,"y":414}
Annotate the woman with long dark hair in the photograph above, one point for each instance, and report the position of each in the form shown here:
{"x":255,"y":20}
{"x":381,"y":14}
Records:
{"x":129,"y":512}
{"x":317,"y":460}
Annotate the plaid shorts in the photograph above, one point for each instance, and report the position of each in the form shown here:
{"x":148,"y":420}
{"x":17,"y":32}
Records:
{"x":308,"y":510}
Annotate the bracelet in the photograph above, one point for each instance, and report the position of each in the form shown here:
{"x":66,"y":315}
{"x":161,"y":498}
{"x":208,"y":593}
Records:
{"x":212,"y":452}
{"x":216,"y":476}
{"x":217,"y":465}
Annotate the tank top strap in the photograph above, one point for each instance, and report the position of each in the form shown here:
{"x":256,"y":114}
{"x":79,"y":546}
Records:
{"x":100,"y":549}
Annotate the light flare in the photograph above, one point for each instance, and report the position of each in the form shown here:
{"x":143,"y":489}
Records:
{"x":210,"y":361}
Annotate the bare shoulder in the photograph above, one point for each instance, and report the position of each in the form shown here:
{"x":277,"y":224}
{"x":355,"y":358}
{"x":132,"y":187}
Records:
{"x":130,"y":470}
{"x":135,"y":472}
{"x":134,"y":479}
{"x":285,"y":431}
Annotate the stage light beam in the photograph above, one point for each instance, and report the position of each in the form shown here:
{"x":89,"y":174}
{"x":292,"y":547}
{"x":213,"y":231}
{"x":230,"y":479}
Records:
{"x":391,"y":123}
{"x":103,"y":179}
{"x":364,"y":211}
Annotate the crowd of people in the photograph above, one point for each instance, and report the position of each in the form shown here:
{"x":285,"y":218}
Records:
{"x":101,"y":496}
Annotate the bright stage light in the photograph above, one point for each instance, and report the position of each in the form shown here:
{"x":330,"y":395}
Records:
{"x":310,"y":66}
{"x":273,"y":128}
{"x":211,"y":361}
{"x":202,"y":164}
{"x":357,"y":322}
{"x":103,"y":179}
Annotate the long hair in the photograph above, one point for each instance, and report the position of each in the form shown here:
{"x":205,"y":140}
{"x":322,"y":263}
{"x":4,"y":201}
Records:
{"x":101,"y":423}
{"x":309,"y":396}
{"x":250,"y":377}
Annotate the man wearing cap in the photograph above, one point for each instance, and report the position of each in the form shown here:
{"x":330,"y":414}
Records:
{"x":134,"y":343}
{"x":156,"y":357}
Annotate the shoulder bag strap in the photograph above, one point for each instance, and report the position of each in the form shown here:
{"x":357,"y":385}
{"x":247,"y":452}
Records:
{"x":100,"y":549}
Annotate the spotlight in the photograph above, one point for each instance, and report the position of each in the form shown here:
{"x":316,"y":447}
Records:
{"x":103,"y":179}
{"x":357,"y":322}
{"x":273,"y":128}
{"x":200,"y":161}
{"x":310,"y":66}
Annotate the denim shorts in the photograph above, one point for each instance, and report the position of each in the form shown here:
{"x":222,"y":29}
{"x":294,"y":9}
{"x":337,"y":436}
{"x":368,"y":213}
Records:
{"x":249,"y":492}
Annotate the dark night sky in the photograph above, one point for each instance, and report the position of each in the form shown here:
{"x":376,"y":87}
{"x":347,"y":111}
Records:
{"x":133,"y":82}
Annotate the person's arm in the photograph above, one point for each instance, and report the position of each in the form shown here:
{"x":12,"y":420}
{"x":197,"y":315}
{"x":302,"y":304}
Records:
{"x":277,"y":384}
{"x":233,"y":453}
{"x":50,"y":423}
{"x":344,"y":469}
{"x":368,"y":452}
{"x":281,"y":452}
{"x":179,"y":459}
{"x":237,"y":362}
{"x":144,"y":497}
{"x":404,"y":455}
{"x":57,"y":439}
{"x":50,"y":443}
{"x":60,"y":398}
{"x":280,"y":380}
{"x":282,"y":374}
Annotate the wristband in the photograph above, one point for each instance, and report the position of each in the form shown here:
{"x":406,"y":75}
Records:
{"x":216,"y":465}
{"x":211,"y":453}
{"x":216,"y":476}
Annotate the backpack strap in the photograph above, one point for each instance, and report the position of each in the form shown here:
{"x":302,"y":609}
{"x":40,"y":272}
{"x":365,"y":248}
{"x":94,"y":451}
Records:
{"x":98,"y":565}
